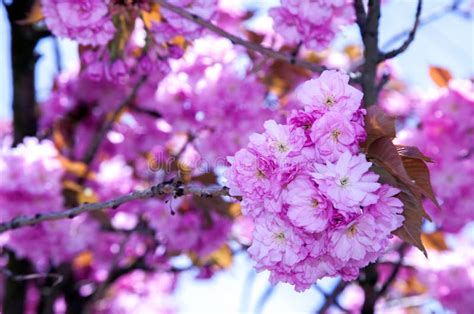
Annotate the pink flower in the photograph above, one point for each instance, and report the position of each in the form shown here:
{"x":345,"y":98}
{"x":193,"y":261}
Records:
{"x":278,"y":140}
{"x":87,"y":21}
{"x":274,"y":242}
{"x":333,"y":135}
{"x":387,"y":211}
{"x":307,"y":208}
{"x":330,"y":92}
{"x":251,"y":175}
{"x":356,"y":240}
{"x":348,"y":183}
{"x":205,"y":9}
{"x":317,"y":208}
{"x":313,"y":23}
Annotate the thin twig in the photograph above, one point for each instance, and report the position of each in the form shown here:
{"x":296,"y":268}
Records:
{"x":239,"y":41}
{"x":332,"y":298}
{"x":95,"y":144}
{"x":329,"y":298}
{"x":103,"y":286}
{"x":58,"y":278}
{"x":410,"y":38}
{"x":396,"y":269}
{"x":425,"y":20}
{"x":166,"y":188}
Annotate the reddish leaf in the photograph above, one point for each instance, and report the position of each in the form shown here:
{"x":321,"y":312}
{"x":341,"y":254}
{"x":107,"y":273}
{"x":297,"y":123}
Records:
{"x":378,"y":124}
{"x":419,"y":172}
{"x":385,"y":152}
{"x":440,"y":76}
{"x":410,"y":231}
{"x":254,"y":37}
{"x":412,"y":152}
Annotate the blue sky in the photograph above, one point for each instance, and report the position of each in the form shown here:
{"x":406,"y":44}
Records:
{"x":449,"y":43}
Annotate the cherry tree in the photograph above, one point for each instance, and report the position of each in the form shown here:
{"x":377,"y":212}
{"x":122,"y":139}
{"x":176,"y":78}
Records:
{"x":182,"y":132}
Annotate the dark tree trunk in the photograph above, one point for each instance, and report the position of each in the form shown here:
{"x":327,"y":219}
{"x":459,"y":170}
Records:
{"x":23,"y":42}
{"x":15,"y":291}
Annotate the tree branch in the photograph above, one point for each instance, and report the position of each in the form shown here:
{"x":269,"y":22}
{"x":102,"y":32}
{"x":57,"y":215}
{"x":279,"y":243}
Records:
{"x":368,"y":280}
{"x":370,"y":38}
{"x":97,"y":140}
{"x":165,"y":188}
{"x":239,"y":41}
{"x":361,"y":15}
{"x":332,"y":298}
{"x":410,"y":38}
{"x":436,"y":15}
{"x":396,"y":269}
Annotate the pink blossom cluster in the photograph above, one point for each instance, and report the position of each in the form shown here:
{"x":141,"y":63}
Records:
{"x":139,"y":292}
{"x":448,"y":275}
{"x":184,"y":227}
{"x":446,"y":134}
{"x":209,"y":93}
{"x":314,"y":23}
{"x":125,"y":67}
{"x":178,"y":26}
{"x":85,"y":103}
{"x":87,"y":21}
{"x":32,"y":184}
{"x":318,"y":209}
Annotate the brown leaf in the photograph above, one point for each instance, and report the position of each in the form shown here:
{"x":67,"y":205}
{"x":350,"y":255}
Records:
{"x":378,"y":124}
{"x":410,"y":231}
{"x":385,"y":152}
{"x":216,"y":204}
{"x":412,"y":286}
{"x":412,"y":152}
{"x":76,"y":168}
{"x":384,"y":176}
{"x":207,"y":178}
{"x":254,"y":37}
{"x":440,"y":76}
{"x":82,"y":260}
{"x":419,"y":172}
{"x":283,"y":77}
{"x":434,"y":241}
{"x":151,"y":16}
{"x":222,"y":257}
{"x":413,"y":211}
{"x":354,"y":52}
